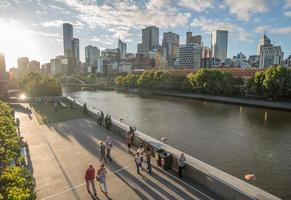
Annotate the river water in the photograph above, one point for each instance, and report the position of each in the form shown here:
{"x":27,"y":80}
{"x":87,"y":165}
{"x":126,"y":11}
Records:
{"x":238,"y":140}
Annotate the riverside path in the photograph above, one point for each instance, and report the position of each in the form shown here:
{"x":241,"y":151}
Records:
{"x":59,"y":154}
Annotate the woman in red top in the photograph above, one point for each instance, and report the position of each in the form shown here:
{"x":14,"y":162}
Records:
{"x":90,"y":178}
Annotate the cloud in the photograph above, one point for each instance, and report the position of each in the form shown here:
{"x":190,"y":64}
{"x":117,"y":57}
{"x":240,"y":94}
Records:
{"x":281,"y":30}
{"x":209,"y":25}
{"x":262,"y":29}
{"x":287,"y":4}
{"x":245,"y":9}
{"x":59,"y":23}
{"x":196,"y":5}
{"x":128,"y":13}
{"x":288,"y":13}
{"x":103,"y":40}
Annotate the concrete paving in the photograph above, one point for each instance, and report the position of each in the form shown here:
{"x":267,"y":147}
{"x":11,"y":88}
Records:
{"x":60,"y":153}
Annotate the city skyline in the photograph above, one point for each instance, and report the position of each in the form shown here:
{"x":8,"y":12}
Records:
{"x":40,"y":38}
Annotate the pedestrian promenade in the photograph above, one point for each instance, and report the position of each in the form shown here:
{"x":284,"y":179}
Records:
{"x":60,"y":154}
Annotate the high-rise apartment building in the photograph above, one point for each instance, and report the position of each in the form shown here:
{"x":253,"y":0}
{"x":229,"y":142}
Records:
{"x":189,"y":56}
{"x":206,"y":52}
{"x":68,"y":38}
{"x":271,"y":55}
{"x":219,"y":42}
{"x":2,"y":67}
{"x":170,"y":47}
{"x":196,"y":39}
{"x":122,"y":46}
{"x":264,"y":41}
{"x":150,"y":38}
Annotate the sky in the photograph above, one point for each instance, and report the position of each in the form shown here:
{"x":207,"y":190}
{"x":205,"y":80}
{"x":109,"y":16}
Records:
{"x":33,"y":28}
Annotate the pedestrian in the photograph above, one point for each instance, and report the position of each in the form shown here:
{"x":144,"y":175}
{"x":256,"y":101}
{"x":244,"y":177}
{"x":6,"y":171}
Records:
{"x":132,"y":130}
{"x":138,"y":161}
{"x":101,"y":174}
{"x":98,"y":118}
{"x":90,"y":179}
{"x":102,"y":116}
{"x":181,"y":164}
{"x":129,"y":141}
{"x":108,"y":144}
{"x":148,"y":159}
{"x":140,"y":150}
{"x":102,"y":152}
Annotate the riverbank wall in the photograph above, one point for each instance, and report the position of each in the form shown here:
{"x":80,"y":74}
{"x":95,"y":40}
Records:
{"x":221,"y":183}
{"x":243,"y":101}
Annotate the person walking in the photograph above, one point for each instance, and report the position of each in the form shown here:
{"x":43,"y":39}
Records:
{"x":90,"y":178}
{"x":181,"y":164}
{"x":129,"y":141}
{"x":108,"y":144}
{"x":102,"y":149}
{"x":140,"y":150}
{"x":101,"y":174}
{"x":138,"y":161}
{"x":148,"y":160}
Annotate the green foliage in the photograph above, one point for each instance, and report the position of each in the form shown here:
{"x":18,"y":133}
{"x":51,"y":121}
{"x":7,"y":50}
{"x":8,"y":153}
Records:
{"x":9,"y":139}
{"x":36,"y":85}
{"x":128,"y":81}
{"x":213,"y":82}
{"x":18,"y":184}
{"x":272,"y":83}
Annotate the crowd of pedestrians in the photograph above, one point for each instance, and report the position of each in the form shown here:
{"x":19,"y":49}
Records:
{"x":143,"y":154}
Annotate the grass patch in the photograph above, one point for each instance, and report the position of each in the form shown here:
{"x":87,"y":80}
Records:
{"x":45,"y":113}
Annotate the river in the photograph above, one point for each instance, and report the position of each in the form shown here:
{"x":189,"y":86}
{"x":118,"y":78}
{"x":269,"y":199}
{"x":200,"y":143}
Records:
{"x":238,"y":140}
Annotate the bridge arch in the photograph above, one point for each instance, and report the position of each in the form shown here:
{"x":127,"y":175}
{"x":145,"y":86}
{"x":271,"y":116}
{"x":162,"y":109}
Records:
{"x":71,"y":77}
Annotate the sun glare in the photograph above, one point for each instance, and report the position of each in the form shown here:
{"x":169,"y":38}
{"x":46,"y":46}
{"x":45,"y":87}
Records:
{"x":16,"y":41}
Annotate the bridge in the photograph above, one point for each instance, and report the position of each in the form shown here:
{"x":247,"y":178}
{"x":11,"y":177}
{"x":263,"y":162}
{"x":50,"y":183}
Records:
{"x":100,"y":82}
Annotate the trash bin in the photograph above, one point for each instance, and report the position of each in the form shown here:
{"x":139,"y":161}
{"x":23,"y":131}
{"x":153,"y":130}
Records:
{"x":158,"y":157}
{"x":166,"y":160}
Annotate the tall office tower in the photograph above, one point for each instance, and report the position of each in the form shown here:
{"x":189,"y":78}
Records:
{"x":22,"y":64}
{"x":76,"y":48}
{"x":219,"y":41}
{"x":206,"y":52}
{"x":150,"y":38}
{"x":34,"y":66}
{"x":271,"y":55}
{"x":188,"y":37}
{"x":264,"y":41}
{"x":190,"y":56}
{"x":122,"y":46}
{"x":68,"y":38}
{"x":92,"y":57}
{"x":196,"y":39}
{"x":170,"y":45}
{"x":2,"y":67}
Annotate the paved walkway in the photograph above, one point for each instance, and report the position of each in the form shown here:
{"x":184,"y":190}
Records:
{"x":60,"y":154}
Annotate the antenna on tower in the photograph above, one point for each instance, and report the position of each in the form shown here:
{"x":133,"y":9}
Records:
{"x":189,"y":24}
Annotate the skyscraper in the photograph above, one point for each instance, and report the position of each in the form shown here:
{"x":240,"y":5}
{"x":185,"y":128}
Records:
{"x":264,"y":41}
{"x":219,"y":41}
{"x":23,"y":64}
{"x":190,"y":56}
{"x":196,"y":39}
{"x":271,"y":55}
{"x":2,"y":67}
{"x":76,"y":49}
{"x":122,"y":46}
{"x":68,"y":38}
{"x":170,"y":46}
{"x":150,"y":38}
{"x":34,"y":66}
{"x":92,"y":57}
